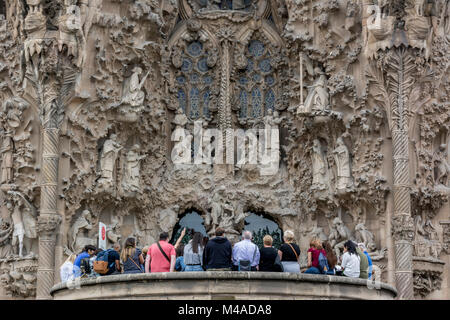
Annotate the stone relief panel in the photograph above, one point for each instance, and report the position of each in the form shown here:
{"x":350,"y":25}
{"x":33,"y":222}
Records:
{"x":339,"y":79}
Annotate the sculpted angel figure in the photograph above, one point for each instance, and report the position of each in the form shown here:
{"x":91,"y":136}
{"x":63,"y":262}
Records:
{"x":133,"y":95}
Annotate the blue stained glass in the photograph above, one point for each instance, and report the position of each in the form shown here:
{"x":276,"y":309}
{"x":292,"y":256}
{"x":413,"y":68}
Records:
{"x":256,"y":48}
{"x":250,"y":65}
{"x":207,"y":80}
{"x":202,"y":66}
{"x":243,"y":100}
{"x":206,"y":104}
{"x":194,"y":78}
{"x":181,"y":80}
{"x":182,"y":99}
{"x":270,"y":80}
{"x":195,"y":49}
{"x":243,"y":81}
{"x":264,"y":65}
{"x":187,"y":65}
{"x":194,"y":103}
{"x":256,"y":103}
{"x":256,"y":77}
{"x":270,"y":100}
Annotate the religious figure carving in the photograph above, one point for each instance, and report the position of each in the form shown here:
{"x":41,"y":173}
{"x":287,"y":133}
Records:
{"x":441,"y":166}
{"x":363,"y":235}
{"x":318,"y":97}
{"x":319,"y":167}
{"x":7,"y":158}
{"x":113,"y":230}
{"x":78,"y":235}
{"x":342,"y":159}
{"x":71,"y":31}
{"x":132,"y":94}
{"x":108,"y":159}
{"x":426,"y":243}
{"x":132,"y":167}
{"x":24,"y":219}
{"x":339,"y":234}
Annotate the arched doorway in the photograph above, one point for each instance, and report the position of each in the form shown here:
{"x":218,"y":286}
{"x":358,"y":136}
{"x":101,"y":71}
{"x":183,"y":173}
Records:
{"x":260,"y":224}
{"x":192,"y":221}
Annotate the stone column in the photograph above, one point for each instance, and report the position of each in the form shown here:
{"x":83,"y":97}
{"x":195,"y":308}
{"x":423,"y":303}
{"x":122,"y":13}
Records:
{"x":399,"y":70}
{"x":49,"y":219}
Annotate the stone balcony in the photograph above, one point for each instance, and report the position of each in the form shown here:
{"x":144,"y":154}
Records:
{"x":223,"y":285}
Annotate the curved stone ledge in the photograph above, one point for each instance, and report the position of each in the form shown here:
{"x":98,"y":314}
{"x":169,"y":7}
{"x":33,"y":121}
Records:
{"x":222,"y":285}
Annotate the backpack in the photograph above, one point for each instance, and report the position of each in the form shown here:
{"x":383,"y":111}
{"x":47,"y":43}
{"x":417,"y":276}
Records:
{"x":101,"y":263}
{"x":85,"y":266}
{"x":323,"y":263}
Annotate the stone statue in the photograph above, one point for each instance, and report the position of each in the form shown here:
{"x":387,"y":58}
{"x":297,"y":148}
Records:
{"x":432,"y":235}
{"x":319,"y":167}
{"x":363,"y":235}
{"x":318,"y":97}
{"x":212,"y":219}
{"x":132,"y":94}
{"x":342,"y":159}
{"x":77,"y":233}
{"x":24,"y":219}
{"x":339,"y":234}
{"x":71,"y":31}
{"x":441,"y":166}
{"x":180,"y":119}
{"x":108,"y":159}
{"x":113,"y":230}
{"x":7,"y":158}
{"x":132,"y":167}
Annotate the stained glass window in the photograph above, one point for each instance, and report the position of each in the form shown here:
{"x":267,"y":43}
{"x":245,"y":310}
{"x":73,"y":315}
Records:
{"x":257,"y":82}
{"x":194,"y":80}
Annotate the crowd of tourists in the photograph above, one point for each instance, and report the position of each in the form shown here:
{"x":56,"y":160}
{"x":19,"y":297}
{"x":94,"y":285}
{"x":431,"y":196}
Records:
{"x":218,"y":254}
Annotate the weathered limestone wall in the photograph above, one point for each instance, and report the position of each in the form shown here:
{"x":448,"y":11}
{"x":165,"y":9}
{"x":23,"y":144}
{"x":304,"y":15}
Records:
{"x":223,"y":285}
{"x":99,"y":97}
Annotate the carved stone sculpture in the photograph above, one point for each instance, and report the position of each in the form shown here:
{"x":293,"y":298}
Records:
{"x":342,"y":159}
{"x":24,"y":220}
{"x":441,"y":166}
{"x":131,"y":179}
{"x":7,"y":158}
{"x":133,"y":95}
{"x":319,"y":167}
{"x":362,"y":235}
{"x":108,"y":159}
{"x":339,"y":234}
{"x":318,"y":97}
{"x":78,"y":232}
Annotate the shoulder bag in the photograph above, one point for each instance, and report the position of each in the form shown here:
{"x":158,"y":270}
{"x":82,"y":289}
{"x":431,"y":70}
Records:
{"x":162,"y":251}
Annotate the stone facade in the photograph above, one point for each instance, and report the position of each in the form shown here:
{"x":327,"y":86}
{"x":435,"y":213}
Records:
{"x":92,"y":92}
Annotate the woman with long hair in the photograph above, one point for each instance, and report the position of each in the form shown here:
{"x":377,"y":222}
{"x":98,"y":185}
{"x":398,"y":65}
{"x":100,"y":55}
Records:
{"x":193,"y":253}
{"x":289,"y":253}
{"x":314,"y":251}
{"x":66,"y":270}
{"x":131,"y":257}
{"x":350,"y":260}
{"x":331,"y":257}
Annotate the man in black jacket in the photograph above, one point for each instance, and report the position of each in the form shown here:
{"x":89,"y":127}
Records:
{"x":217,"y":254}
